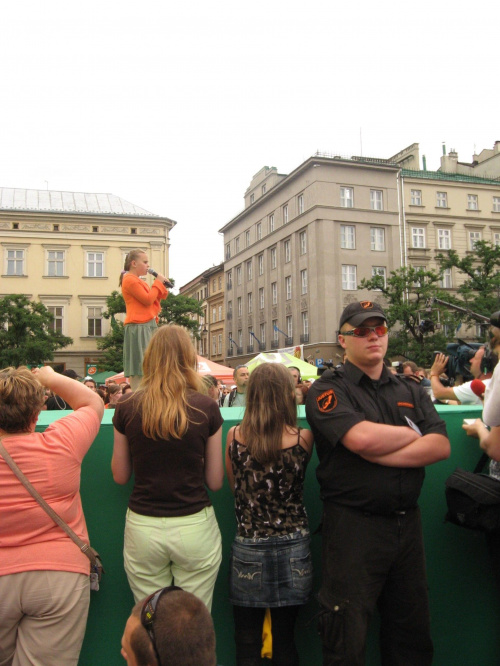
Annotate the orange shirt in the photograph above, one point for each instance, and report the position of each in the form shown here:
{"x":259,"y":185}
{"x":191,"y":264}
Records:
{"x":29,"y":538}
{"x":141,"y":300}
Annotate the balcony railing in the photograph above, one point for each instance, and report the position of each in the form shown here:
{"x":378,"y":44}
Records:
{"x":239,"y":350}
{"x":275,"y":344}
{"x":262,"y":346}
{"x":304,"y":338}
{"x":249,"y":349}
{"x":230,"y":351}
{"x":289,"y":342}
{"x":229,"y":314}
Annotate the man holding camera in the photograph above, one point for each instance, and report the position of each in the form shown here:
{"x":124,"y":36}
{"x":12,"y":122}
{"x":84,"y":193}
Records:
{"x":481,"y":368}
{"x":374,"y":434}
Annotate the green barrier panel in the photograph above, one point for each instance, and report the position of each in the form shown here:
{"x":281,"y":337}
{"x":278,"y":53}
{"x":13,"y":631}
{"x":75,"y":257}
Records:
{"x":465,"y":608}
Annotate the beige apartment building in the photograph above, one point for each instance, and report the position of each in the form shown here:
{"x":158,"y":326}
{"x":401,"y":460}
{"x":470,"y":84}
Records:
{"x":295,"y":255}
{"x":67,"y":249}
{"x":208,"y":289}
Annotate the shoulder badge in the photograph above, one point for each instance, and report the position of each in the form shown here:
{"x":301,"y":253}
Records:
{"x":327,"y":401}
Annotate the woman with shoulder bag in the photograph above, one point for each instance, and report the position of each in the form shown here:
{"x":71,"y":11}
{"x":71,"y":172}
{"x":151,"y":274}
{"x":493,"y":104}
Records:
{"x":44,"y":577}
{"x":270,"y":566}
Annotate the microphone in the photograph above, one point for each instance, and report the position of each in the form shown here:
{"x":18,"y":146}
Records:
{"x":478,"y":388}
{"x":167,"y":283}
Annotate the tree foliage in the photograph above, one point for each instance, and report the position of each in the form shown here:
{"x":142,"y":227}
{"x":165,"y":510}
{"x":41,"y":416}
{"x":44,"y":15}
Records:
{"x":27,"y":336}
{"x":418,"y":326}
{"x":480,"y":290}
{"x":176,"y":309}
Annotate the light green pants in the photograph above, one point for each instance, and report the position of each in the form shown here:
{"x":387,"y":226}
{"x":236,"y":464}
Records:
{"x":184,"y":551}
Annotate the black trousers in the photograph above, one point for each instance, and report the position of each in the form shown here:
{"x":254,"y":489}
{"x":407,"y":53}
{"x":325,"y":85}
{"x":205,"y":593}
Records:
{"x":369,"y":561}
{"x":248,"y":635}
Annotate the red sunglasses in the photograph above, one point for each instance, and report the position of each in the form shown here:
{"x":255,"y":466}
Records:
{"x":365,"y":331}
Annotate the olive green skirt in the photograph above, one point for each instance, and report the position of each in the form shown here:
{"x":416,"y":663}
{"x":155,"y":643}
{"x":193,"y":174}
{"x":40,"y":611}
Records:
{"x":136,"y":339}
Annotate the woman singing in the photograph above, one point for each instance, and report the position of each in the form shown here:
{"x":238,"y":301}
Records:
{"x":270,"y":566}
{"x":143,"y":305}
{"x":170,"y":435}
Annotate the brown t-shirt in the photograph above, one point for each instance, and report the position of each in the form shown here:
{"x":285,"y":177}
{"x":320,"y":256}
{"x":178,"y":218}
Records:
{"x":169,"y":474}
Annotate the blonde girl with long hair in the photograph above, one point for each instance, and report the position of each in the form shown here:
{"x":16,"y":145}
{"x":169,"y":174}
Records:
{"x":143,"y":306}
{"x":270,"y":566}
{"x":170,"y":436}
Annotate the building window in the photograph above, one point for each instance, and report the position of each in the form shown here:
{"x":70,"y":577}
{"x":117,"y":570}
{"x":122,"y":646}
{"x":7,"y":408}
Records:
{"x":300,"y":203}
{"x":417,"y":237}
{"x":285,"y":214}
{"x":274,"y":292}
{"x":303,"y":282}
{"x":496,"y":239}
{"x":377,"y":239}
{"x":55,"y":263}
{"x":228,"y":251}
{"x":214,"y":284}
{"x":94,"y":320}
{"x":259,"y":231}
{"x":229,"y":280}
{"x":271,"y":223}
{"x":237,"y":244}
{"x":263,"y":189}
{"x":286,"y":247}
{"x":220,"y":282}
{"x":305,"y":323}
{"x":275,"y":330}
{"x":261,"y":298}
{"x":273,"y":257}
{"x":250,"y":336}
{"x":238,"y":275}
{"x":220,"y":312}
{"x":472,"y":203}
{"x":239,"y":306}
{"x":252,"y":198}
{"x":445,"y":281}
{"x":474,"y":236}
{"x":496,"y":204}
{"x":15,"y":262}
{"x":349,"y":281}
{"x":261,"y":264}
{"x":214,"y":345}
{"x":249,"y":302}
{"x":220,"y":344}
{"x":444,"y":239}
{"x":347,"y":237}
{"x":249,"y":270}
{"x":441,"y":200}
{"x":289,"y":326}
{"x":379,"y":270}
{"x":376,"y":200}
{"x":230,"y":309}
{"x":240,"y":338}
{"x":95,"y":264}
{"x":288,"y":287}
{"x":214,"y":315}
{"x":303,"y":242}
{"x":57,"y":311}
{"x":346,"y":197}
{"x":416,"y":197}
{"x":247,"y":238}
{"x":262,"y":333}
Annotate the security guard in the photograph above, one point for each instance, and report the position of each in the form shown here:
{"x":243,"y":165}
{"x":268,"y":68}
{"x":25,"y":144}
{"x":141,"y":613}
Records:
{"x":374,"y":434}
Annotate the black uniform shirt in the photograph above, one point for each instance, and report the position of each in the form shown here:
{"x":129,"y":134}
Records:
{"x":345,"y":396}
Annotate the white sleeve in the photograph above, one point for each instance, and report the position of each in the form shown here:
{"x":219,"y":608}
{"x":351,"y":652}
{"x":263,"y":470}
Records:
{"x":465,"y":395}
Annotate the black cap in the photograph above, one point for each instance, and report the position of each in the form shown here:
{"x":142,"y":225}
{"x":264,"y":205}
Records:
{"x":356,"y":313}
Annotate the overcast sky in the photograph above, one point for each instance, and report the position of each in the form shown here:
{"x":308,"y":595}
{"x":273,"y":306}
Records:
{"x":175,"y":106}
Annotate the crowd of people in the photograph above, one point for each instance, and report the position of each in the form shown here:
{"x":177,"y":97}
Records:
{"x":375,"y":432}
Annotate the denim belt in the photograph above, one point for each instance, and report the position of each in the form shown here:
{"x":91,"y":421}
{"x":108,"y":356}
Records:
{"x":301,"y":534}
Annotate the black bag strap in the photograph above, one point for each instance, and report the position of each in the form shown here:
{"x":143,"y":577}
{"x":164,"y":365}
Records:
{"x":84,"y":547}
{"x":481,"y":463}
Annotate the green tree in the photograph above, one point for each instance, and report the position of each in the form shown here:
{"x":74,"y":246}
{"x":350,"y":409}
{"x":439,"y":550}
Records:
{"x":480,"y":290}
{"x":27,"y":336}
{"x":176,"y":309}
{"x":419,"y":326}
